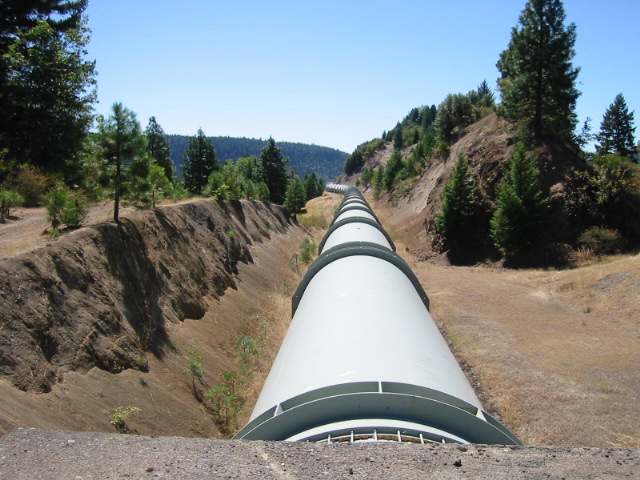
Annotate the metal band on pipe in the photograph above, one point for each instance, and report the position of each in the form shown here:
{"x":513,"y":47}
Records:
{"x":367,"y":221}
{"x":356,"y":248}
{"x":355,"y":206}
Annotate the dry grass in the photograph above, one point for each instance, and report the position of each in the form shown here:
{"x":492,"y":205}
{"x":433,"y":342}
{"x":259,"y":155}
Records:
{"x":274,"y":323}
{"x":555,"y":354}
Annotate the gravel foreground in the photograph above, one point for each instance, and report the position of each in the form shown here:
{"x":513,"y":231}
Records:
{"x":44,"y":454}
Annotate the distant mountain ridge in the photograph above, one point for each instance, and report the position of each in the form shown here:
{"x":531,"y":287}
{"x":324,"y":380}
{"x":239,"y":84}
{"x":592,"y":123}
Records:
{"x":326,"y":162}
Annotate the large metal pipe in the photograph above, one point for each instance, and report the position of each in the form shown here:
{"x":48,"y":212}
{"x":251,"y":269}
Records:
{"x":363,"y":359}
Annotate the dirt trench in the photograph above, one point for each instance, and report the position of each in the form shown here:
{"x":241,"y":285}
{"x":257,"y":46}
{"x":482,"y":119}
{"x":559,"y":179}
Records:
{"x":104,"y":316}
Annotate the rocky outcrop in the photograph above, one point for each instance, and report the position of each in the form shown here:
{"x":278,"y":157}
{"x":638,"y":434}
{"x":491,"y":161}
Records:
{"x":104,"y":295}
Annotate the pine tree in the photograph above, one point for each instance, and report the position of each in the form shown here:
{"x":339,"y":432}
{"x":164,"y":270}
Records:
{"x":378,"y":181}
{"x":295,"y":197}
{"x":122,"y":143}
{"x":486,"y":96}
{"x":313,"y":186}
{"x":616,"y":130}
{"x":158,"y":146}
{"x":274,"y":171}
{"x":459,"y":206}
{"x":46,"y":93}
{"x":398,"y":141}
{"x":517,"y":222}
{"x":199,"y":161}
{"x":394,"y":165}
{"x":538,"y":79}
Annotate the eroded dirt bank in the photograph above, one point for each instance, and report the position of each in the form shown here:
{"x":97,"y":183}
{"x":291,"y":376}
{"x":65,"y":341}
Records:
{"x":104,"y":316}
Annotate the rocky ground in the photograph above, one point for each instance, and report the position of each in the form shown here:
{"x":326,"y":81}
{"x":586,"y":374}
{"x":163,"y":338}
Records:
{"x":28,"y":454}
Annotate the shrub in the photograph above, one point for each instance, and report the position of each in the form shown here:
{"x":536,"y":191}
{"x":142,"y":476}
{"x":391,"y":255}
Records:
{"x":75,"y":211}
{"x":121,"y":415}
{"x":31,"y":183}
{"x":602,"y":241}
{"x":55,"y":201}
{"x":307,"y":249}
{"x":8,"y":200}
{"x":65,"y":207}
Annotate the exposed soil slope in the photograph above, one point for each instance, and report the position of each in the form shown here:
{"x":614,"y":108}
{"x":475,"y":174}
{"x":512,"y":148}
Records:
{"x":87,"y":317}
{"x":487,"y":144}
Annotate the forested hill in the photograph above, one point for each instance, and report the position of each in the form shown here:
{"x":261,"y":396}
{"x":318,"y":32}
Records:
{"x":327,"y":163}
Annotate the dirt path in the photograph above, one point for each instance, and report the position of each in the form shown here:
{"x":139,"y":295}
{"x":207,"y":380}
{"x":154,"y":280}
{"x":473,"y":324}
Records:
{"x":28,"y":228}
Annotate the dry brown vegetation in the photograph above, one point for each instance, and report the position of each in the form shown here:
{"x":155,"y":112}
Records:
{"x":555,"y":354}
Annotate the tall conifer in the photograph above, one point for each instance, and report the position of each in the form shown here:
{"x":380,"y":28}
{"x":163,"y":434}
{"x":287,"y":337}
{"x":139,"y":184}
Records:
{"x":274,"y":171}
{"x":616,"y":130}
{"x":538,"y":79}
{"x":158,"y":146}
{"x":459,"y":206}
{"x":199,"y":161}
{"x":517,"y":222}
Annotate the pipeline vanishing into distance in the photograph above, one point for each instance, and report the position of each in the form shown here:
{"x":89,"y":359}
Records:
{"x":363,"y":360}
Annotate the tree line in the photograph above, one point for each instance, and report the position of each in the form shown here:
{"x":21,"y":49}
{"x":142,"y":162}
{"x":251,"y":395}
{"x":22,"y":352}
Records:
{"x":304,"y":159}
{"x":55,"y":152}
{"x":538,"y":96}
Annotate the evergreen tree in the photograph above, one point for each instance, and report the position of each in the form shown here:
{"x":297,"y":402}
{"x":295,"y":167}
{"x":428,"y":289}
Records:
{"x":517,"y":222}
{"x":616,"y":130}
{"x":274,"y":171}
{"x":122,"y":143}
{"x":537,"y":80}
{"x":454,"y":114}
{"x":313,"y":186}
{"x":18,"y":17}
{"x":199,"y":161}
{"x":378,"y":181}
{"x":394,"y":165}
{"x":295,"y":197}
{"x":366,"y":178}
{"x":398,"y":142}
{"x":459,"y":206}
{"x":158,"y":146}
{"x":486,"y":96}
{"x":46,"y":96}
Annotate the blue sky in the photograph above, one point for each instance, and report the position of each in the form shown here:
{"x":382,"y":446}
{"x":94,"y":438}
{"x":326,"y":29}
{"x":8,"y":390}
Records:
{"x":333,"y":73}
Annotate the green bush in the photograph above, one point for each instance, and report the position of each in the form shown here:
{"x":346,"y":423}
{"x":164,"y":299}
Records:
{"x":121,"y":414}
{"x":65,"y":207}
{"x":55,"y":201}
{"x":75,"y":211}
{"x":307,"y":250}
{"x":8,"y":200}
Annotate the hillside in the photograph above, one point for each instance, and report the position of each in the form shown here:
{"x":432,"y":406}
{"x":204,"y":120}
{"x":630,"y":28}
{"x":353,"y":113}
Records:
{"x":326,"y":162}
{"x":487,"y":144}
{"x":110,"y":315}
